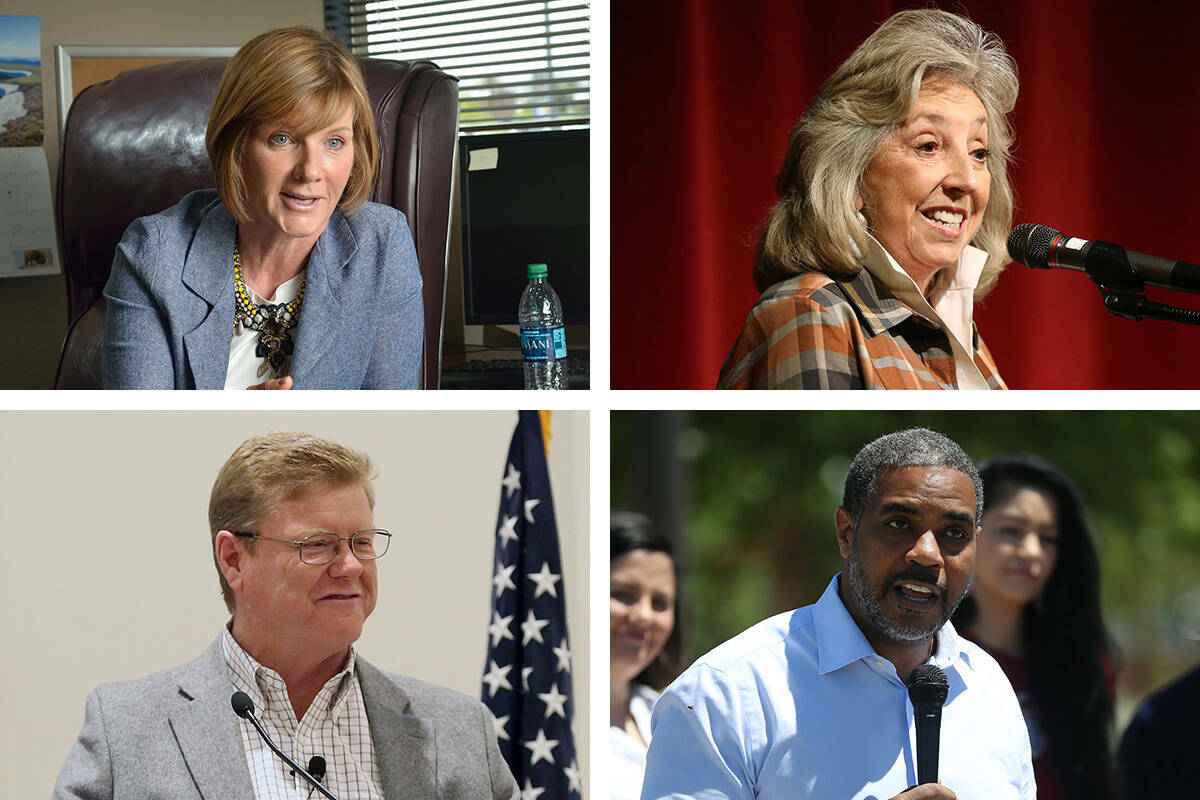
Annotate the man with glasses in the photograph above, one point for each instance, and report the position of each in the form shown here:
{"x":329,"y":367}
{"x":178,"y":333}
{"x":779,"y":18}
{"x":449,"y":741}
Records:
{"x":295,"y":544}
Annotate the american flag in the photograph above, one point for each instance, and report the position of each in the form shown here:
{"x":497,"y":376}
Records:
{"x":527,"y":673}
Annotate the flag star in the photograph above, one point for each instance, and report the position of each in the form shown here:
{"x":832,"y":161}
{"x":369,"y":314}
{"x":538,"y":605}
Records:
{"x":499,"y":629}
{"x":503,"y":578}
{"x":564,"y":656}
{"x":573,"y":778}
{"x":508,"y":532}
{"x":531,"y":628}
{"x":540,"y":747}
{"x":499,"y":724}
{"x":554,"y":701}
{"x":525,"y":673}
{"x":497,"y":678}
{"x":530,"y":792}
{"x":530,"y":505}
{"x":545,"y":580}
{"x":512,"y":481}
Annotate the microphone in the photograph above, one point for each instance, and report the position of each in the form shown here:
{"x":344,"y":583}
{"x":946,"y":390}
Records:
{"x":243,"y":706}
{"x":316,"y":765}
{"x":927,"y":689}
{"x":1110,"y":265}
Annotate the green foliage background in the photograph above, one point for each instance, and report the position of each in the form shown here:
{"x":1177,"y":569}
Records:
{"x":761,"y":489}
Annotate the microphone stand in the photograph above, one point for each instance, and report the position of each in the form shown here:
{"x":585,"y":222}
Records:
{"x":288,"y":759}
{"x":1128,"y":305}
{"x":1121,"y":290}
{"x":247,"y":712}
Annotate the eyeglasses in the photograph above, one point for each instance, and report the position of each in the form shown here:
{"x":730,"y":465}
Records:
{"x":321,"y":548}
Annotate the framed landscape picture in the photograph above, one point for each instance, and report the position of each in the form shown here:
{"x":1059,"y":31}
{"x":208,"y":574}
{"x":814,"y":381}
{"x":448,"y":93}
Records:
{"x":22,"y":115}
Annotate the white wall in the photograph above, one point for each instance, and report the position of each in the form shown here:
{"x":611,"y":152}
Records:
{"x":109,"y":576}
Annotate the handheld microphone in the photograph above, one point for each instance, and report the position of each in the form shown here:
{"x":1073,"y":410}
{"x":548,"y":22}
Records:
{"x":1042,"y":247}
{"x":927,"y":689}
{"x":243,"y":706}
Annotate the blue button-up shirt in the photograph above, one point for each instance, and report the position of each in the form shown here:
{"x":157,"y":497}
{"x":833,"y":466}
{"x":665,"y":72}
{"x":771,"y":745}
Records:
{"x":801,"y":706}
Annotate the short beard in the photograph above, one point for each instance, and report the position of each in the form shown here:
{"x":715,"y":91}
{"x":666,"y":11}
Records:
{"x":871,"y":605}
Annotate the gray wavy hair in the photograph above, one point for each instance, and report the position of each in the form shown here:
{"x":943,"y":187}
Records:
{"x":912,"y":447}
{"x":815,"y":222}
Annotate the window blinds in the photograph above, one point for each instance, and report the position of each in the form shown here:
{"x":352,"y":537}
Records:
{"x":521,"y":64}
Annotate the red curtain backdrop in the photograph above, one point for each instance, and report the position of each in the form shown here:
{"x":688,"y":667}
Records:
{"x":704,"y":94}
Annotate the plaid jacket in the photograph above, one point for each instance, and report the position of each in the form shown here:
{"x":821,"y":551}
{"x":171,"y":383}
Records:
{"x":812,"y":332}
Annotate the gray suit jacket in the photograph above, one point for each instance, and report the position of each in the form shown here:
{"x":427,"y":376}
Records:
{"x":171,"y":302}
{"x":173,"y":735}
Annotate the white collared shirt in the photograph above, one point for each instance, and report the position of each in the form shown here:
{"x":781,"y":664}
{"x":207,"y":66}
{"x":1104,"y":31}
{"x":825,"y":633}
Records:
{"x":334,"y":727}
{"x":626,"y":755}
{"x":953,"y":311}
{"x":801,"y":706}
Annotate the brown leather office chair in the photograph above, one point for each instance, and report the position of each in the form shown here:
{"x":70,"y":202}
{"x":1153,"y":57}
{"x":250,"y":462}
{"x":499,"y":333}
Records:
{"x":134,"y":145}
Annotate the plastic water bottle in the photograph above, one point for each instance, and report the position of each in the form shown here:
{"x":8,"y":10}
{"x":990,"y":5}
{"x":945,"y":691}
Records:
{"x":543,"y":338}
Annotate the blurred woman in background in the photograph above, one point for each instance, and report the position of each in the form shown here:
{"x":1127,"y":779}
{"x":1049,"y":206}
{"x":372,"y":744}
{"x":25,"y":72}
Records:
{"x":645,"y":645}
{"x":1035,"y":606}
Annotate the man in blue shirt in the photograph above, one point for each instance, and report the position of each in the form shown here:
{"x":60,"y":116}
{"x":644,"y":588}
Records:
{"x":812,"y":703}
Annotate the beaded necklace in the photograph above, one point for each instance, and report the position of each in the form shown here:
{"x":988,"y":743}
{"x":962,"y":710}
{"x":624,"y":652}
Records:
{"x":272,"y":321}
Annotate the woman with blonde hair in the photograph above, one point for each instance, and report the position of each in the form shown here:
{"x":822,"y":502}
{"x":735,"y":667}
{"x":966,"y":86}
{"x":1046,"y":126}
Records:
{"x":894,"y":205}
{"x":284,"y":275}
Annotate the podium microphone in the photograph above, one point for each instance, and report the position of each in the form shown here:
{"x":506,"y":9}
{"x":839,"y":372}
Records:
{"x":927,"y":689}
{"x":1043,"y":247}
{"x":243,"y":706}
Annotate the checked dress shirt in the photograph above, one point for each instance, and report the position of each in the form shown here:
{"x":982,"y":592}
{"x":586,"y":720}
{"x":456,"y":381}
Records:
{"x":334,"y":727}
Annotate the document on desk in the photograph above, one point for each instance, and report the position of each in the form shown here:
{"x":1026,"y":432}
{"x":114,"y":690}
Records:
{"x":27,"y":241}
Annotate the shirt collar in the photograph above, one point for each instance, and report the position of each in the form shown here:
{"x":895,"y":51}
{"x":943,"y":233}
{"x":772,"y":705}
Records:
{"x":286,"y":292}
{"x":954,"y":291}
{"x":964,"y":274}
{"x":878,"y":309}
{"x":265,"y":686}
{"x":841,"y":642}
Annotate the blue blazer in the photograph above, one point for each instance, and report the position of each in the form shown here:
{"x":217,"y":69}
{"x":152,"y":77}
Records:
{"x":171,"y":303}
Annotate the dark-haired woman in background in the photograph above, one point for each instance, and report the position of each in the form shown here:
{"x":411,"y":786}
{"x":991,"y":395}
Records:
{"x":645,"y":643}
{"x":1035,"y":606}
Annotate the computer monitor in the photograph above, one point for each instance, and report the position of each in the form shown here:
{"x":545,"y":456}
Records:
{"x":524,"y":201}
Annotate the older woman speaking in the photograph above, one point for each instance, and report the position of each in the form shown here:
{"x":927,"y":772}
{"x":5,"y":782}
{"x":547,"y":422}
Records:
{"x":893,"y":207}
{"x":284,"y":275}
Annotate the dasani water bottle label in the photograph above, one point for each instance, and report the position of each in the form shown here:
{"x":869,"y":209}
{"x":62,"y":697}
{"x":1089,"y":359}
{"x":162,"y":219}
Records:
{"x":543,"y":344}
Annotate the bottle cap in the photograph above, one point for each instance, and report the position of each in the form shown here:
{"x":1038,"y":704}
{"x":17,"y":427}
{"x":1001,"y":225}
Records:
{"x":535,"y":271}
